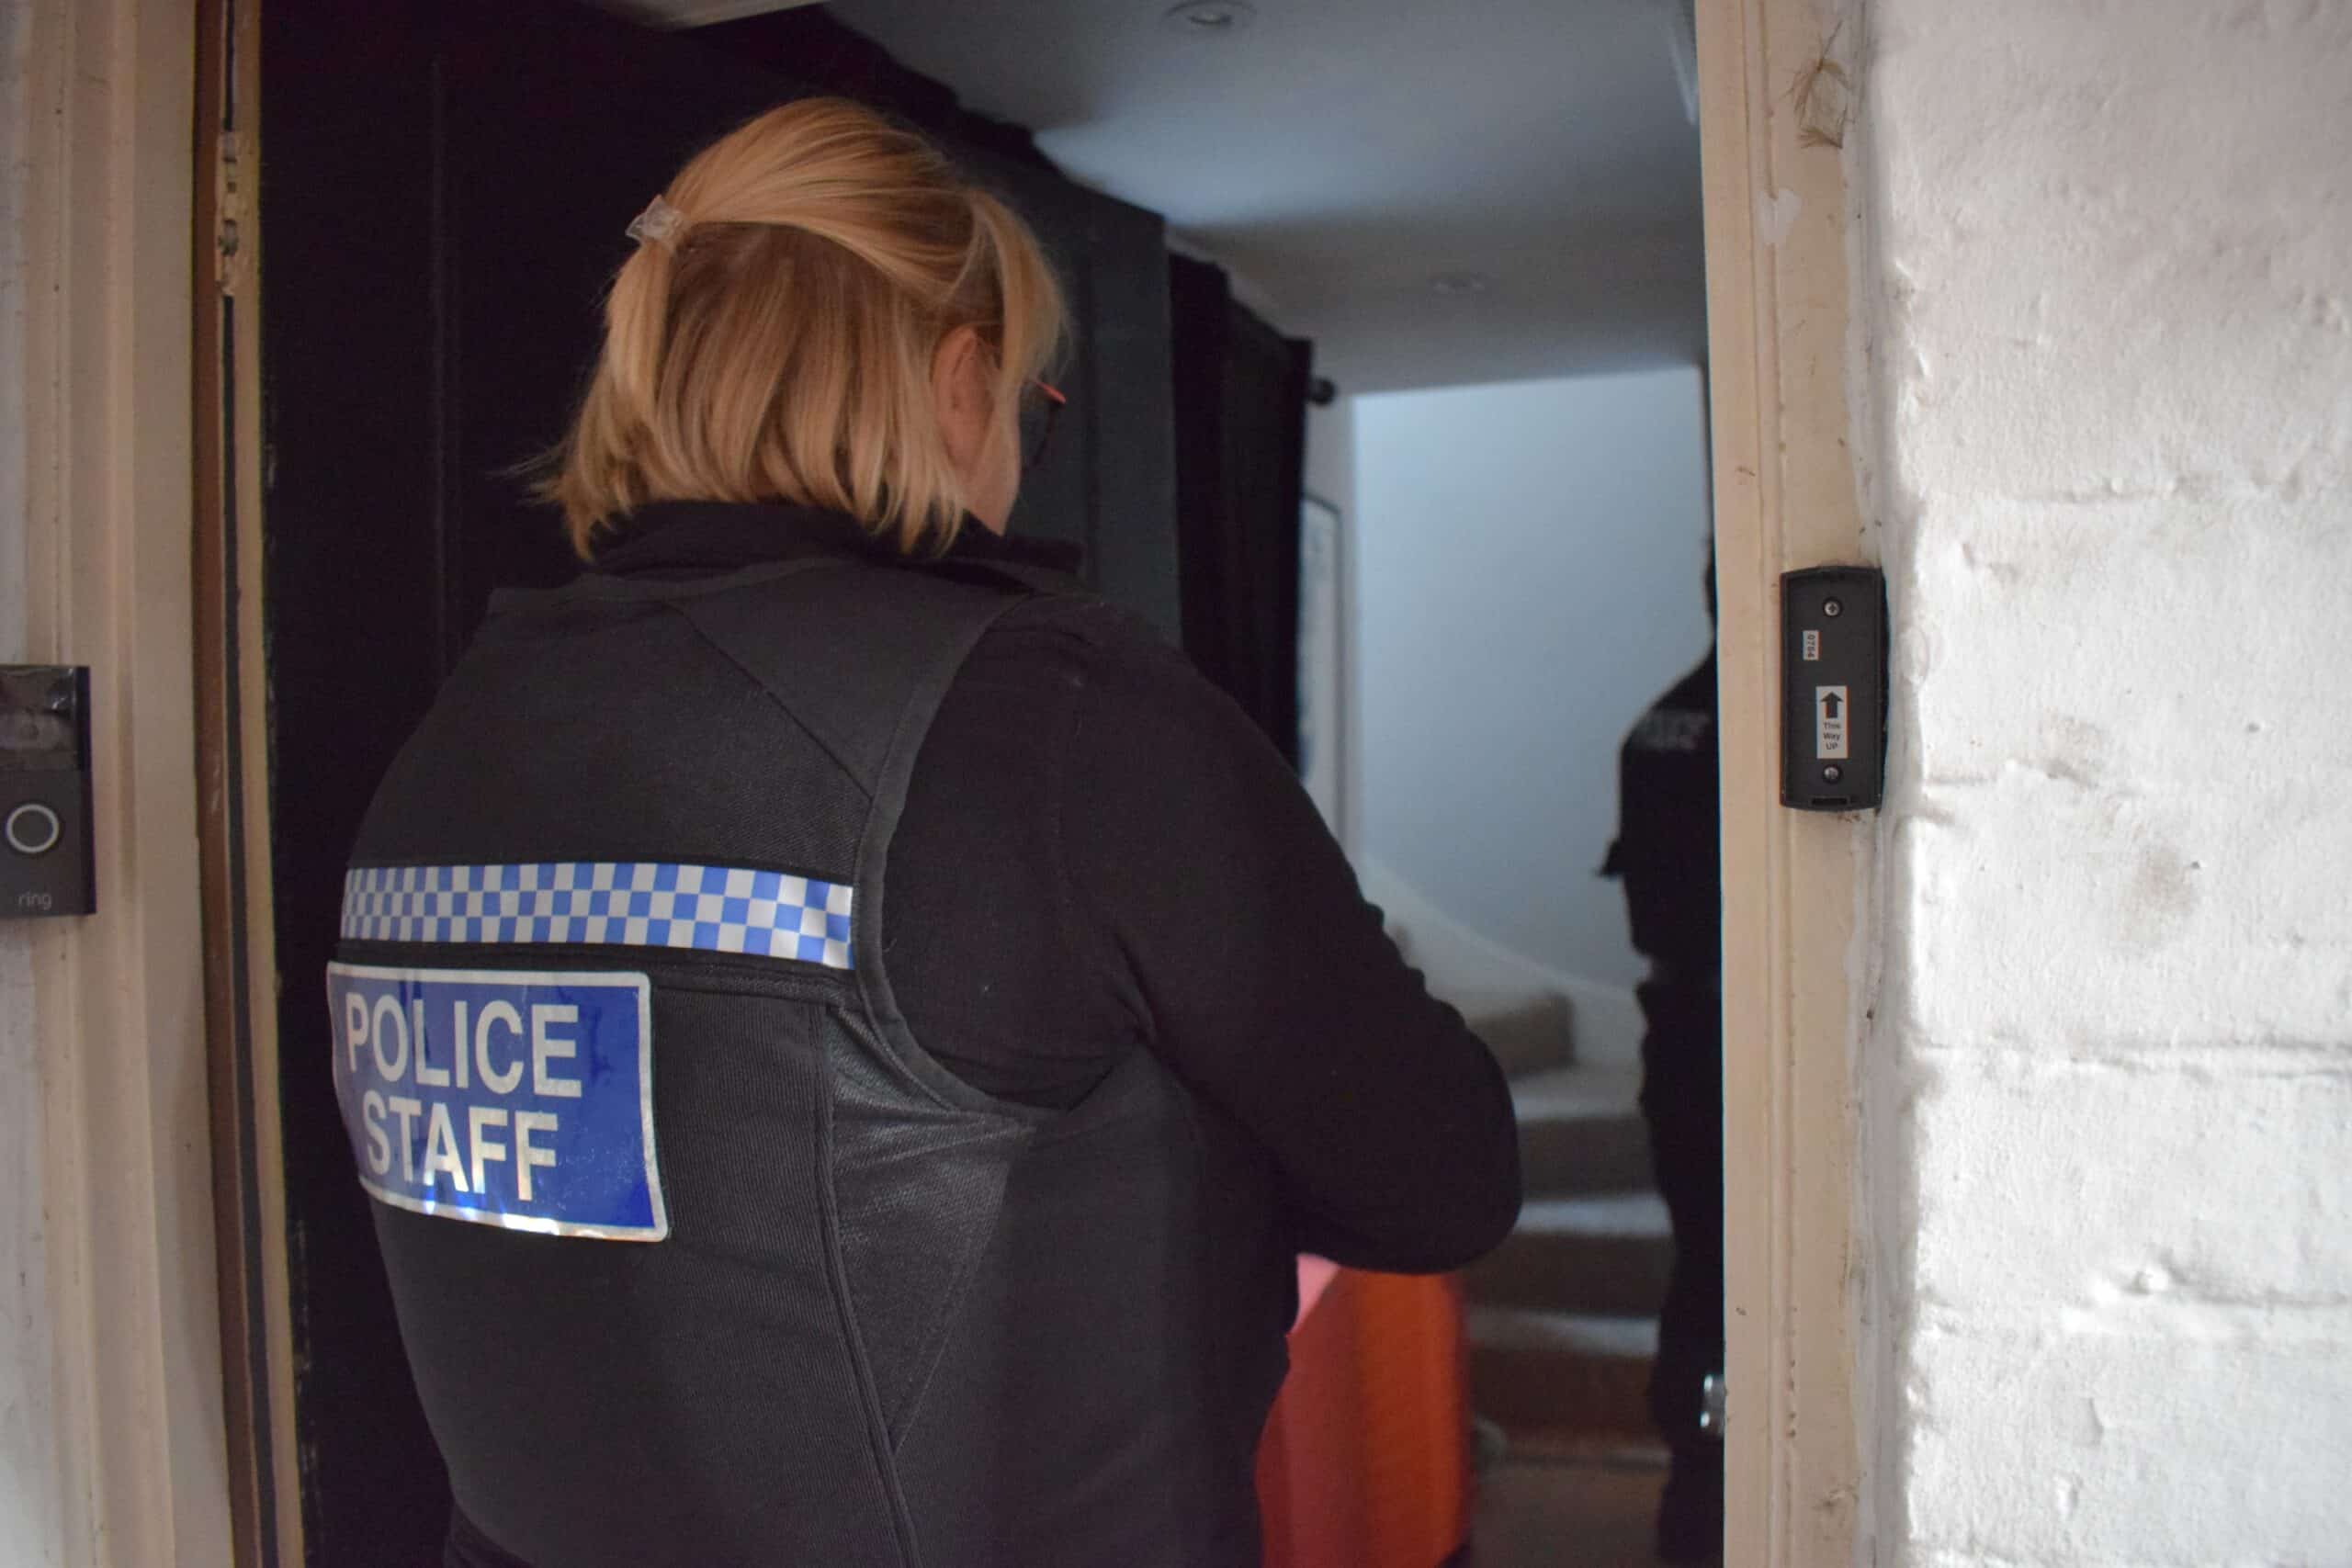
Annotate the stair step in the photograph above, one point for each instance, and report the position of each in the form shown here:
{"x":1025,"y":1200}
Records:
{"x":1605,"y":1254}
{"x":1557,"y":1372}
{"x":1602,"y":1336}
{"x":1580,"y":1131}
{"x":1529,"y":1035}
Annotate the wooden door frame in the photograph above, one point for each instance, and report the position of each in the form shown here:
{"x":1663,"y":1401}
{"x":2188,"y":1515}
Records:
{"x":241,"y":970}
{"x":154,"y":1447}
{"x":122,"y":1452}
{"x":1776,"y":97}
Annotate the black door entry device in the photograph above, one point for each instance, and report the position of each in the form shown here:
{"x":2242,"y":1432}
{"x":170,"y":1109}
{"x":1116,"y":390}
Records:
{"x":1833,"y":688}
{"x":46,"y":865}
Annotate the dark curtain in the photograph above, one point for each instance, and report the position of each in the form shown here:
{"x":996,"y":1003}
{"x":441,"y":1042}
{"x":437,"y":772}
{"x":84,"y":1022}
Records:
{"x":1240,"y":400}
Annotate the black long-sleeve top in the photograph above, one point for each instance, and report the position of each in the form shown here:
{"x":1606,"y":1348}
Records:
{"x":1100,"y":853}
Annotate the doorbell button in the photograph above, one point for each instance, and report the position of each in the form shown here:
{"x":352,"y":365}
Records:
{"x":33,"y":829}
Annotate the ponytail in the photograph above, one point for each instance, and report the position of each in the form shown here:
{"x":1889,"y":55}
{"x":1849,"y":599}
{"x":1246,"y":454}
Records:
{"x":772,"y":337}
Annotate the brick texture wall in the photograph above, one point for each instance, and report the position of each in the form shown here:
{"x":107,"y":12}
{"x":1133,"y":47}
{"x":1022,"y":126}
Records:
{"x":2105,"y":335}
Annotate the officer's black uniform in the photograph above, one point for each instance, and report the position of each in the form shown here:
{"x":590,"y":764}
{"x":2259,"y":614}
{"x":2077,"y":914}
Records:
{"x":892,"y":1319}
{"x":1667,"y":851}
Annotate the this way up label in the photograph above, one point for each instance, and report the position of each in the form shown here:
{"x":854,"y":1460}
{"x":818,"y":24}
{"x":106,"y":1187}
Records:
{"x":1829,"y":723}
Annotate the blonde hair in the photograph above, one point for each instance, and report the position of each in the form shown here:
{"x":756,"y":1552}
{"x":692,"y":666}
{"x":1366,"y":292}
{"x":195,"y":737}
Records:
{"x":772,"y":338}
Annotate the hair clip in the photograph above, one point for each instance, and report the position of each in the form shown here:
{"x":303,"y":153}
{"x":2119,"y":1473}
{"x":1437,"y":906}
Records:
{"x":660,"y":222}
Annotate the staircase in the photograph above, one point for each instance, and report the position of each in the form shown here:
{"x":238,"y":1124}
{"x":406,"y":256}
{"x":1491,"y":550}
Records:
{"x":1563,"y":1319}
{"x":1562,"y":1316}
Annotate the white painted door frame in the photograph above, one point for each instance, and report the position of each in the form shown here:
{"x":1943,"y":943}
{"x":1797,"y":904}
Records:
{"x":114,"y":1449}
{"x":133,"y":1448}
{"x":1775,"y":95}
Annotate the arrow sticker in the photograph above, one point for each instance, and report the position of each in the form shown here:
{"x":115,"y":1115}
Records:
{"x":1829,"y":723}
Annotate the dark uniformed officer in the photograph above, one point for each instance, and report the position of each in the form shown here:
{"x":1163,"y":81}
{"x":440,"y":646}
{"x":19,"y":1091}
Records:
{"x":849,"y":1038}
{"x":1667,"y":854}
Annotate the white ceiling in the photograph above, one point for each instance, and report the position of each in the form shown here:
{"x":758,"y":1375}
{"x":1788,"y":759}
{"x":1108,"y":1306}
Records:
{"x":1337,"y":154}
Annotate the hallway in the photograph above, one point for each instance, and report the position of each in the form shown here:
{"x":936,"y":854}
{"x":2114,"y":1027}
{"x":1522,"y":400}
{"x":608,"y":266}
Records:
{"x":1563,"y":1318}
{"x":1567,"y":1506}
{"x":1563,"y":1323}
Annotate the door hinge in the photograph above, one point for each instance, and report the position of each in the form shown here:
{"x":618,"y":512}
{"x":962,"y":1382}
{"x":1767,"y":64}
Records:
{"x":230,"y":229}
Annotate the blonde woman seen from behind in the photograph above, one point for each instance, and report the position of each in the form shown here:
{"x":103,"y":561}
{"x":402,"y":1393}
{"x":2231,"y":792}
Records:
{"x":846,"y":1032}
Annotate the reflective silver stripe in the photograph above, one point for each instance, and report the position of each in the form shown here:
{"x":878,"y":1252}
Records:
{"x":709,"y":908}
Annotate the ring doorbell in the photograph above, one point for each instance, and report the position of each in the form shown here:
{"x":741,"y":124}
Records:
{"x":46,"y":865}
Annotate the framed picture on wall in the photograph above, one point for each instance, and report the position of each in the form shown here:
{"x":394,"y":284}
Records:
{"x":1322,"y":658}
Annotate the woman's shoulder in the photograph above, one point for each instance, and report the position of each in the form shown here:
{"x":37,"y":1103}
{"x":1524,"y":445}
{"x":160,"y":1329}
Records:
{"x":1050,"y":667}
{"x":1101,"y":689}
{"x":1134,"y":704}
{"x":1082,"y":638}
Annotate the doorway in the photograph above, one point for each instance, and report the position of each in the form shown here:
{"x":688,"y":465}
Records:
{"x":1487,"y":220}
{"x":1563,"y":894}
{"x":472,"y":100}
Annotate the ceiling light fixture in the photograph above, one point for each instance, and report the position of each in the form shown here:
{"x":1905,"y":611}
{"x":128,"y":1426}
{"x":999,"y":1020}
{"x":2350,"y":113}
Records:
{"x":1210,"y":18}
{"x":1460,"y":285}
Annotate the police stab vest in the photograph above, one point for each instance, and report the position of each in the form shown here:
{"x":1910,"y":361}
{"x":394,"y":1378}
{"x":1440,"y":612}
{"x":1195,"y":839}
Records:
{"x":699,"y":1257}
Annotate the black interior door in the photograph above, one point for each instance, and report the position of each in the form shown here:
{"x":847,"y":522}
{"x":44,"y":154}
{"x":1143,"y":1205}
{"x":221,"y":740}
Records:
{"x":444,"y":188}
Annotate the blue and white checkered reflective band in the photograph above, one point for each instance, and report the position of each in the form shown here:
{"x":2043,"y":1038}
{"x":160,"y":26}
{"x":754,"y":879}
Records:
{"x":709,"y":908}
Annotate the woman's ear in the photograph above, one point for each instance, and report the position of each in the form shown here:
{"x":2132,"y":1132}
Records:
{"x":978,"y":435}
{"x":962,"y":397}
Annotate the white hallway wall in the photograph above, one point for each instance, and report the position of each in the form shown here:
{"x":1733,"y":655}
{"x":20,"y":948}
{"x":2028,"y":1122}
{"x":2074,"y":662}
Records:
{"x":1330,"y":476}
{"x":1529,"y":556}
{"x":2106,"y":310}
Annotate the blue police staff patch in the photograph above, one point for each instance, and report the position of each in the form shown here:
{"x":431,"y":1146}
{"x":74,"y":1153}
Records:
{"x":503,"y":1098}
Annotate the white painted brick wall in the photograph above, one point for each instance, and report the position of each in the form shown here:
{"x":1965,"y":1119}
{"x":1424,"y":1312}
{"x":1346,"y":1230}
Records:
{"x":2105,"y":305}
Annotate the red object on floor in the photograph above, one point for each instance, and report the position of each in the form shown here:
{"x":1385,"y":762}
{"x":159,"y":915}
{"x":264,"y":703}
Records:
{"x":1365,"y":1462}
